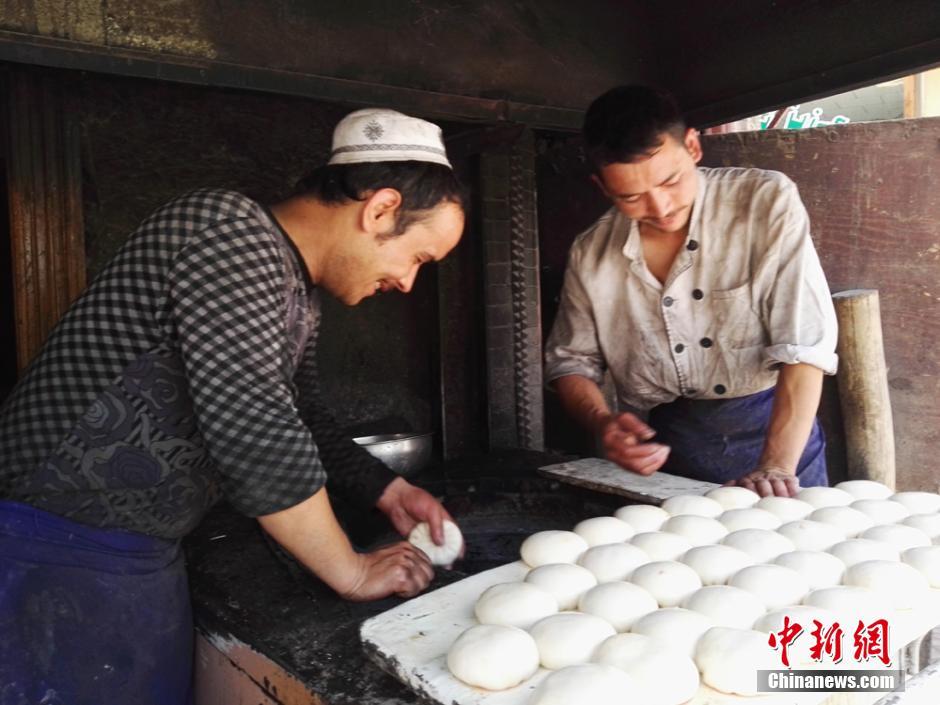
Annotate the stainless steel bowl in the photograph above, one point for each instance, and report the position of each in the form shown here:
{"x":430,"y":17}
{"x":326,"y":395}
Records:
{"x":405,"y":453}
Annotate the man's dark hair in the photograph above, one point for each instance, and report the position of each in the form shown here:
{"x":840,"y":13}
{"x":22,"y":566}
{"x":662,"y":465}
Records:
{"x":422,"y":185}
{"x":627,"y":123}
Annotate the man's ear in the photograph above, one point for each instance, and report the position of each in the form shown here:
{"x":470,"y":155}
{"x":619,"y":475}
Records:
{"x":380,"y":211}
{"x":599,"y":183}
{"x":692,"y":144}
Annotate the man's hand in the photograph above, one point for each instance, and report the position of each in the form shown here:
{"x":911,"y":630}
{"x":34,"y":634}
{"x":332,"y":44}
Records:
{"x":406,"y":505}
{"x":399,"y":569}
{"x":770,"y":481}
{"x":624,"y":438}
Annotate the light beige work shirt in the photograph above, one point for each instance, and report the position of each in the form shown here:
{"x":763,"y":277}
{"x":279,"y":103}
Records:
{"x":745,"y":295}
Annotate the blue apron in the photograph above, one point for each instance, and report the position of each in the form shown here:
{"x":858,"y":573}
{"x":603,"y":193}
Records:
{"x":91,"y":616}
{"x":718,"y":440}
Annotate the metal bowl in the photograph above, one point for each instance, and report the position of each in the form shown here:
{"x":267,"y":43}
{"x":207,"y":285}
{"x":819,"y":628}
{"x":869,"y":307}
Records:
{"x":405,"y":453}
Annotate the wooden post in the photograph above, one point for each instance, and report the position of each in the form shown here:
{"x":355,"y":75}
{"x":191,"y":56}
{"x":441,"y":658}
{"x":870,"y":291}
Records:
{"x":863,"y":387}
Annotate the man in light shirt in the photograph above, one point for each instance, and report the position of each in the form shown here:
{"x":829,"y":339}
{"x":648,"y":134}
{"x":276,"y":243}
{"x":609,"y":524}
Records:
{"x":701,"y":293}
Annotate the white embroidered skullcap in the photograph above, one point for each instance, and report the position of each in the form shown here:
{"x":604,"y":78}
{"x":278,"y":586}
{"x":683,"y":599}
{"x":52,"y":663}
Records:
{"x":380,"y":135}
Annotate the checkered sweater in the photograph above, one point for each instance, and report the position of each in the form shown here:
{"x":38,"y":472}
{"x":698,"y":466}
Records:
{"x":184,"y":373}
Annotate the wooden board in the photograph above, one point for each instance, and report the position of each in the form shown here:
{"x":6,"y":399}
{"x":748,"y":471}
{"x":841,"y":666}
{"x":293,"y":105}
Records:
{"x":605,"y":476}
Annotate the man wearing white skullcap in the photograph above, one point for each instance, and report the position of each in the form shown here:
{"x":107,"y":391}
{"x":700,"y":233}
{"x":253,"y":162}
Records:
{"x":186,"y":373}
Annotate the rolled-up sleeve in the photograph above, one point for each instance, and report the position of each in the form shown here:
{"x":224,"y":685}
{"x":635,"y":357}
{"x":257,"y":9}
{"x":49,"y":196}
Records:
{"x":573,"y":347}
{"x":797,"y":304}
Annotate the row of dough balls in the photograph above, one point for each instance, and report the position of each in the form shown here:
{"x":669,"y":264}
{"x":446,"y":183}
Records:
{"x":678,"y":603}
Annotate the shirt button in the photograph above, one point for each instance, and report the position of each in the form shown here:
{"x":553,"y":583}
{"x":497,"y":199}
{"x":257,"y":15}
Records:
{"x":668,"y":301}
{"x":698,"y":294}
{"x":705,"y":342}
{"x":692,"y":245}
{"x":679,"y":348}
{"x":720,"y":389}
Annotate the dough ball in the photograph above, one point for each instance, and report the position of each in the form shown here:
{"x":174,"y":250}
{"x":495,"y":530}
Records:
{"x":918,"y":502}
{"x":420,"y":537}
{"x":820,"y":569}
{"x":749,"y":518}
{"x":569,"y":638}
{"x":717,"y":563}
{"x":661,"y":545}
{"x":729,"y":659}
{"x":849,"y":602}
{"x":857,"y":550}
{"x":601,"y":530}
{"x":865,"y":489}
{"x":760,"y":544}
{"x":882,"y":511}
{"x":566,"y":582}
{"x":799,"y":614}
{"x":493,"y":657}
{"x":552,"y":546}
{"x":697,"y":529}
{"x":898,"y":584}
{"x":692,"y":504}
{"x":593,"y":683}
{"x":821,"y":497}
{"x":898,"y":535}
{"x":928,"y":523}
{"x":728,"y":606}
{"x":926,"y":559}
{"x":733,"y":497}
{"x":666,"y":676}
{"x":786,"y":508}
{"x":514,"y":605}
{"x":674,"y":628}
{"x":642,"y":517}
{"x":619,"y":604}
{"x":773,"y":585}
{"x":669,"y":582}
{"x":809,"y":535}
{"x":850,"y":522}
{"x":613,"y":561}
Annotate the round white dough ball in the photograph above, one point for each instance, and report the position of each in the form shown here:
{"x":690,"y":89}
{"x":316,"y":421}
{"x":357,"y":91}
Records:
{"x":613,"y":561}
{"x":729,"y":659}
{"x":882,"y":511}
{"x":670,"y":582}
{"x":786,"y":508}
{"x":849,"y":602}
{"x":692,"y":504}
{"x":593,"y":683}
{"x":850,"y":522}
{"x":666,"y":676}
{"x":749,"y":518}
{"x":733,"y":497}
{"x":661,"y":545}
{"x":552,"y":546}
{"x":566,"y":582}
{"x":865,"y":489}
{"x":699,"y":530}
{"x":775,"y":585}
{"x":898,"y":584}
{"x":642,"y":517}
{"x":674,"y":628}
{"x":761,"y":544}
{"x":493,"y":657}
{"x":600,"y":530}
{"x":928,"y":523}
{"x":420,"y":537}
{"x":918,"y":502}
{"x":618,"y":603}
{"x":809,"y":535}
{"x":819,"y":568}
{"x":855,"y":551}
{"x":821,"y":497}
{"x":717,"y":563}
{"x":514,"y":605}
{"x":898,"y":535}
{"x":926,"y":559}
{"x":569,"y":638}
{"x":728,"y":606}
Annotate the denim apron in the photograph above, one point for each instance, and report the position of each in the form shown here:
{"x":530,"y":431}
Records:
{"x":717,"y":440}
{"x":91,"y":616}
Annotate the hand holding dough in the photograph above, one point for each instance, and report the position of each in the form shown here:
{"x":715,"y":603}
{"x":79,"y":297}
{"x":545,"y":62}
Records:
{"x":420,"y":537}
